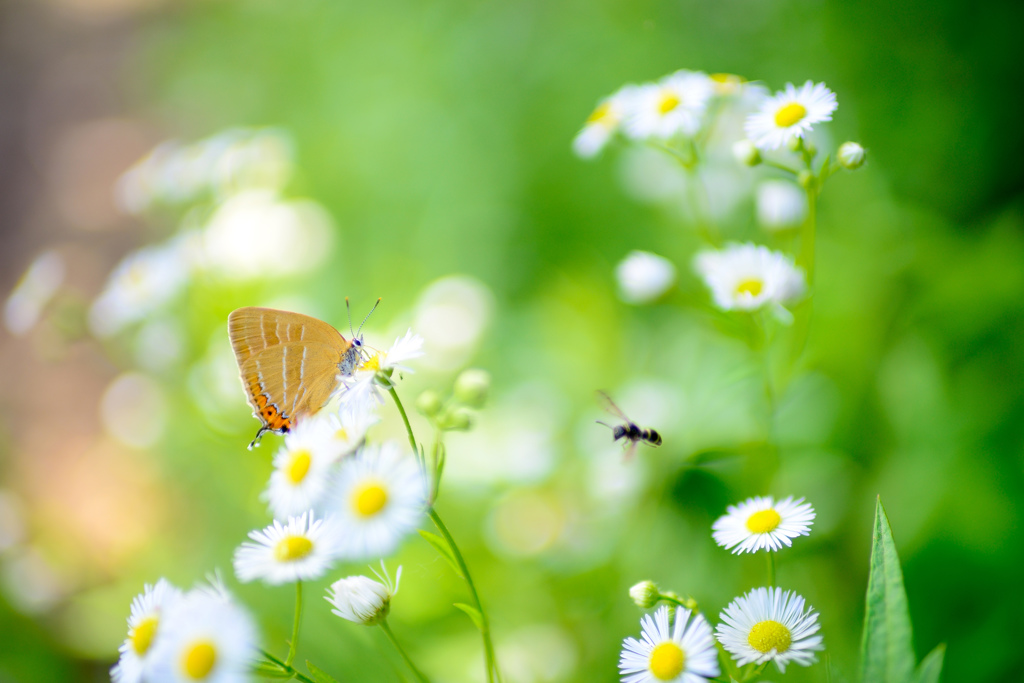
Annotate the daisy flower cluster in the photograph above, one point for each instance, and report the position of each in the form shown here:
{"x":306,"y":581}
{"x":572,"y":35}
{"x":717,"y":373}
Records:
{"x":199,"y":635}
{"x":766,"y":624}
{"x":334,"y":496}
{"x":687,"y":115}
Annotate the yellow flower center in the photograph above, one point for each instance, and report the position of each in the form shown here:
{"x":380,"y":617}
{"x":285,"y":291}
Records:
{"x":341,"y":434}
{"x":603,"y":115}
{"x":667,"y":661}
{"x":373,"y":363}
{"x":668,"y":102}
{"x":142,"y":635}
{"x":370,"y":498}
{"x":199,"y":660}
{"x":764,"y":521}
{"x":298,"y":467}
{"x":291,"y":548}
{"x":725,"y":84}
{"x":789,"y":114}
{"x":752,"y":287}
{"x":769,"y":635}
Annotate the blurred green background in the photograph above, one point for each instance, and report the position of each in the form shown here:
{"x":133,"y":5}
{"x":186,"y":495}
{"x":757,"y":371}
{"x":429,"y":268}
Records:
{"x":435,"y":138}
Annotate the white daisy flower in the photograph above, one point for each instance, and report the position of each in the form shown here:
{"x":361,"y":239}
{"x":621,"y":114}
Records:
{"x":747,"y":276}
{"x":349,"y":427}
{"x":204,"y":638}
{"x":760,"y":524}
{"x":672,"y":106}
{"x":362,"y":600}
{"x":144,"y":281}
{"x":603,"y":123}
{"x":378,"y":497}
{"x":768,"y":624}
{"x":366,"y":386}
{"x":146,"y":620}
{"x":684,"y":653}
{"x":302,"y":467}
{"x":781,"y":205}
{"x":643,"y":277}
{"x":302,"y":549}
{"x":790,"y":113}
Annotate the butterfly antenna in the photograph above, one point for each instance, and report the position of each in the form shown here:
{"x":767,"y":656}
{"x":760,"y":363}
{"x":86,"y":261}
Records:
{"x":348,"y":307}
{"x":604,"y":423}
{"x":367,"y":316}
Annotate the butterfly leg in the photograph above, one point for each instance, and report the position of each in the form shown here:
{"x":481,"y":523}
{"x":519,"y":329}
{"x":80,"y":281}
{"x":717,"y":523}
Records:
{"x":259,"y":435}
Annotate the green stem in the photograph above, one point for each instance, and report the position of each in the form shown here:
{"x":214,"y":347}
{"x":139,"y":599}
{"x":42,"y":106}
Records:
{"x":805,"y":259}
{"x":781,"y":167}
{"x":492,"y":665}
{"x":771,"y":568}
{"x":405,"y":418}
{"x":485,"y":629}
{"x":286,"y":668}
{"x":294,"y":644}
{"x":405,"y":656}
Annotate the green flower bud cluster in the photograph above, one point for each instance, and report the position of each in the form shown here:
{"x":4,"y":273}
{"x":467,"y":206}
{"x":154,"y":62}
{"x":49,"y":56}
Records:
{"x":455,"y":413}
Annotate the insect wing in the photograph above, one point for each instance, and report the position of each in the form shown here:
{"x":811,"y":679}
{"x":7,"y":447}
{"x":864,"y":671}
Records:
{"x":609,"y":405}
{"x":287,"y":362}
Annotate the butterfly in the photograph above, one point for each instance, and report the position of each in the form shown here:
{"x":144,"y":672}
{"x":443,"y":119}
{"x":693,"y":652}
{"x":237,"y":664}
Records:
{"x":628,"y":430}
{"x":289,"y":363}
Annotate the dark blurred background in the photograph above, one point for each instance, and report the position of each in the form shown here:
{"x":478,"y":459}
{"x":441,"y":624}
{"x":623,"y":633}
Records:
{"x":424,"y":150}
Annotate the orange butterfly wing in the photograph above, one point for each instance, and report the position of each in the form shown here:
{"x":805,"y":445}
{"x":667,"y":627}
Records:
{"x":288,"y":363}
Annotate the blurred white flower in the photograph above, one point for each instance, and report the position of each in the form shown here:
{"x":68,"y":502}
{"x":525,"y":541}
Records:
{"x":770,"y":625}
{"x":672,"y":106}
{"x":790,"y":113}
{"x":35,"y":289}
{"x":781,"y":205}
{"x":759,"y":523}
{"x":144,"y":624}
{"x":362,"y":600}
{"x":144,"y":281}
{"x":254,"y":234}
{"x":604,"y":122}
{"x":230,"y":161}
{"x":304,"y":548}
{"x":684,"y":652}
{"x":349,"y":427}
{"x":746,"y":153}
{"x":643,"y":277}
{"x":378,"y":497}
{"x":452,"y":314}
{"x":302,"y":467}
{"x":746,"y":277}
{"x":133,"y":409}
{"x":204,"y":637}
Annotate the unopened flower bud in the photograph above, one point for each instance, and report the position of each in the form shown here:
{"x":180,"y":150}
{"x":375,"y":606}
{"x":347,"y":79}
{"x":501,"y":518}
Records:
{"x":795,"y":143}
{"x":746,"y":152}
{"x":851,"y":155}
{"x":806,"y":179}
{"x":428,"y":403}
{"x":360,"y":599}
{"x":472,"y":386}
{"x":458,"y":420}
{"x":645,"y":594}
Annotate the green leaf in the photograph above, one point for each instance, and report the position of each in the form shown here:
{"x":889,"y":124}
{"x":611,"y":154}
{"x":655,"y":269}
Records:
{"x":887,"y":651}
{"x":931,"y":666}
{"x":441,"y":546}
{"x":473,"y":613}
{"x":270,"y":670}
{"x":319,"y":675}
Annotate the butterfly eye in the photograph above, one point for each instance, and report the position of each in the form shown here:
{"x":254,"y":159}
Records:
{"x":357,"y":342}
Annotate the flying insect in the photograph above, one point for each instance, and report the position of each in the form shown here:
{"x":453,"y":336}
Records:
{"x":628,"y":430}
